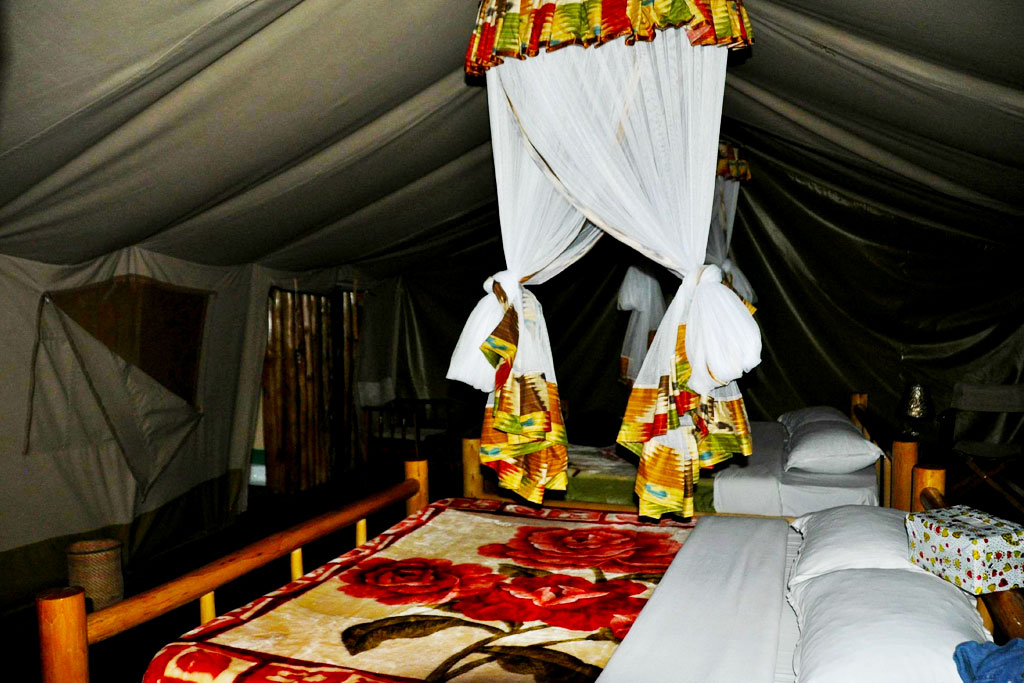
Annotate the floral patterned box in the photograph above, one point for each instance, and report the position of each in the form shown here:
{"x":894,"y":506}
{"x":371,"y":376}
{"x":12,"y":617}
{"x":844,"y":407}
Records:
{"x":975,"y":551}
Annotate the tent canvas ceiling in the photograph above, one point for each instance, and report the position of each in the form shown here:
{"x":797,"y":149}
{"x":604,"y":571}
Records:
{"x":298,"y":133}
{"x":219,"y":143}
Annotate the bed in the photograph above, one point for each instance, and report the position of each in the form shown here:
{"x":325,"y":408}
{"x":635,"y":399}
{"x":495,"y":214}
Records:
{"x":464,"y":590}
{"x":413,"y":605}
{"x":603,"y":478}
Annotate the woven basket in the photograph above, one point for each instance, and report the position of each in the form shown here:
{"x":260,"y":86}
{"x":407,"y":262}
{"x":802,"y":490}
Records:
{"x":96,"y":567}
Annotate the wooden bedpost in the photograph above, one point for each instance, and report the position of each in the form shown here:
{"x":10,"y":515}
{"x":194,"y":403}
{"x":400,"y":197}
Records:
{"x":926,"y":477}
{"x":859,"y":400}
{"x":472,"y":481}
{"x":63,"y":639}
{"x":417,"y":469}
{"x":883,"y":466}
{"x":904,"y":458}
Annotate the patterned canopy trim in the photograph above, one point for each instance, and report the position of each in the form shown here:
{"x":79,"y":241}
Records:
{"x":522,"y":28}
{"x":523,"y":437}
{"x":719,"y":430}
{"x":665,"y":482}
{"x":730,"y":165}
{"x":534,"y":460}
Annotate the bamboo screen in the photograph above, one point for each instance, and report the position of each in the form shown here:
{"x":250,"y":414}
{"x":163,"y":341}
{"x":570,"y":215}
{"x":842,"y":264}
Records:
{"x":306,"y":408}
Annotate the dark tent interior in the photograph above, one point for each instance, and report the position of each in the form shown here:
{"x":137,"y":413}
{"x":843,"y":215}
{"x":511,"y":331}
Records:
{"x":166,"y":167}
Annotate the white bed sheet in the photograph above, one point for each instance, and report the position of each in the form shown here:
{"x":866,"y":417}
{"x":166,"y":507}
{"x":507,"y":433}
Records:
{"x":803,"y":492}
{"x":764,"y":487}
{"x":716,"y":614}
{"x":789,"y":630}
{"x":753,"y":489}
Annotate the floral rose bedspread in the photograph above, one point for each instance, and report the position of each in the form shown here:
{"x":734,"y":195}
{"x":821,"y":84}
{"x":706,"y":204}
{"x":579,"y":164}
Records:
{"x":465,"y":590}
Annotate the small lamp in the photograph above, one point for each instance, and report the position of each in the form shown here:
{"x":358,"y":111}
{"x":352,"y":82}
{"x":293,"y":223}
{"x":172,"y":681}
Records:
{"x":915,"y":408}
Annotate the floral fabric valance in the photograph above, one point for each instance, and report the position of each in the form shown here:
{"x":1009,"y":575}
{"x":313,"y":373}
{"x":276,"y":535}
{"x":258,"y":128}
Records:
{"x":521,"y":28}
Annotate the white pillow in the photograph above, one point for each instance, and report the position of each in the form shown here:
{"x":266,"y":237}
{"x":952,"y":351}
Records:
{"x":882,"y":626}
{"x":802,"y":416}
{"x":851,"y":537}
{"x":829,"y":447}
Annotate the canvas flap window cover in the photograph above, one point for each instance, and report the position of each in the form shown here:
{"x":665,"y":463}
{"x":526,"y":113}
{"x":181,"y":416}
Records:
{"x":84,"y":395}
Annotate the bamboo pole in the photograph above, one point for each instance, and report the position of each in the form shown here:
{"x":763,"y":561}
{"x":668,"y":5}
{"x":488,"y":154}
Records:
{"x":290,"y":397}
{"x":904,"y":457}
{"x":273,"y":434}
{"x":926,"y":477}
{"x":417,"y":469}
{"x":310,"y":404}
{"x":305,"y":452}
{"x":63,"y":641}
{"x":349,"y":425}
{"x":328,"y":410}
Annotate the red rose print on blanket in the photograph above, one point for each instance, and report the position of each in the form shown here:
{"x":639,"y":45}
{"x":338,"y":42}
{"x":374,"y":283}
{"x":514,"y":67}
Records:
{"x":417,"y":580}
{"x":558,"y":600}
{"x":620,"y":624}
{"x":610,"y":549}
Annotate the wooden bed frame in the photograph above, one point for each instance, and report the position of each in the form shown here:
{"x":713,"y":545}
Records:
{"x":899,"y":476}
{"x":66,"y":631}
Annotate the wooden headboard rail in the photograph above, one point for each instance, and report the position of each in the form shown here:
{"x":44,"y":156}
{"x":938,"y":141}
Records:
{"x":65,"y":631}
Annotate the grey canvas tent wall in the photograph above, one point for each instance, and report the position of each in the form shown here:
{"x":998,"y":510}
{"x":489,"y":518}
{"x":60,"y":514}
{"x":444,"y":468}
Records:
{"x":91,"y":442}
{"x":216,"y":145}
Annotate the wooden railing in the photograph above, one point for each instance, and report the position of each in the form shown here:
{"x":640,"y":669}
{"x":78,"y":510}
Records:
{"x":65,"y":632}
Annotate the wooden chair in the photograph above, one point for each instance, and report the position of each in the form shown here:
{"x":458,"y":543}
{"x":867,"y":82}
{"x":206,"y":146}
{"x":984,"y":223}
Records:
{"x":413,"y":430}
{"x":976,"y":413}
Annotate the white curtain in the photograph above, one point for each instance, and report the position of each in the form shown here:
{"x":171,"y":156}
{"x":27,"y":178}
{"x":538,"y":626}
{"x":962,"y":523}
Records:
{"x":542,"y":234}
{"x":630,"y":134}
{"x":723,"y":215}
{"x":641,"y":294}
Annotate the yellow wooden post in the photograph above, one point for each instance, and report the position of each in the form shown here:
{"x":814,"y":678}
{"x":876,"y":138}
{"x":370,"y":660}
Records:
{"x":295,"y":557}
{"x":904,"y":458}
{"x":472,"y":480}
{"x":417,"y":469}
{"x":207,"y":608}
{"x":859,"y":401}
{"x":361,"y":532}
{"x":63,"y":639}
{"x":926,"y":476}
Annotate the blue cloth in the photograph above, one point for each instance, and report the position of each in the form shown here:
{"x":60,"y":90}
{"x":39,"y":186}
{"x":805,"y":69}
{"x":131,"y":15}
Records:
{"x":990,"y":663}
